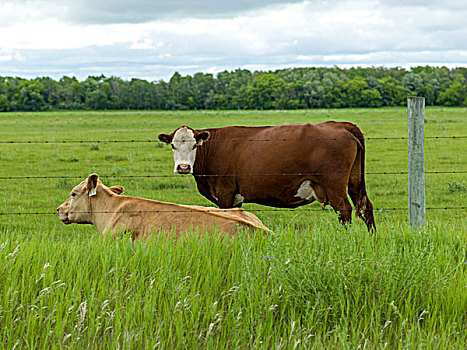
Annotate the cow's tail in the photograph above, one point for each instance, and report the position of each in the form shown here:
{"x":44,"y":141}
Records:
{"x":363,"y":206}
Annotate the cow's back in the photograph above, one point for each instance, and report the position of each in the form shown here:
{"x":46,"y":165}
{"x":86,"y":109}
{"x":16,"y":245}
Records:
{"x":143,"y":217}
{"x":234,"y":216}
{"x":285,"y":148}
{"x":267,"y":165}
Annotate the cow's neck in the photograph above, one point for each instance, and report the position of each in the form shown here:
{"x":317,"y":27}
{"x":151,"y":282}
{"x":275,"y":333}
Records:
{"x":103,"y":206}
{"x":202,"y":156}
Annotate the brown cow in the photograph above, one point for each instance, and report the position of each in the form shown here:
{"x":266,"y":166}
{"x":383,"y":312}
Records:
{"x":91,"y":202}
{"x":281,"y":166}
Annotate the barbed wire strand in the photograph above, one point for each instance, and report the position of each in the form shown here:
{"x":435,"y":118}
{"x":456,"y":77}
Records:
{"x":220,"y":140}
{"x":223,"y":175}
{"x":217,"y":210}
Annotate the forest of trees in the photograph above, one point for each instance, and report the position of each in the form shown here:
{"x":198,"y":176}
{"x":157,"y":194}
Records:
{"x":242,"y":89}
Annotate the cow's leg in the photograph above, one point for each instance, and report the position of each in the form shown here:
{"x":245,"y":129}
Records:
{"x":357,"y":192}
{"x":341,"y":204}
{"x":345,"y":212}
{"x":362,"y":204}
{"x":353,"y":193}
{"x":368,"y":216}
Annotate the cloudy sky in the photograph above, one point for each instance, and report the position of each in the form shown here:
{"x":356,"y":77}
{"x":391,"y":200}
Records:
{"x":152,"y":39}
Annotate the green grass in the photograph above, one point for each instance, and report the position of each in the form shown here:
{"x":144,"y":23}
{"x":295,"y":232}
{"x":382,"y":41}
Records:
{"x":313,"y":285}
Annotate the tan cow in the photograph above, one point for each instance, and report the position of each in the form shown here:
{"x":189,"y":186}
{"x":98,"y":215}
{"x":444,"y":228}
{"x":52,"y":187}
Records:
{"x":92,"y":202}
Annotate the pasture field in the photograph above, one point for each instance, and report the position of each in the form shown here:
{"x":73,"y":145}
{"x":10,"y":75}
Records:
{"x":314,"y":284}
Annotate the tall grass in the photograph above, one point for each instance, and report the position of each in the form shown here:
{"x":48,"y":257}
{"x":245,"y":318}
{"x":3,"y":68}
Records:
{"x":318,"y":287}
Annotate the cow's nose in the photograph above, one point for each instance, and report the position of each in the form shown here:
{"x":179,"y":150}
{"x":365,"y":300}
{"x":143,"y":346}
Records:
{"x":183,"y":168}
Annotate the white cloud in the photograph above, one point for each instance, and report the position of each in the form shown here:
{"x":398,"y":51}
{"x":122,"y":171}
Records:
{"x":6,"y":58}
{"x":37,"y":37}
{"x":138,"y":11}
{"x":10,"y":56}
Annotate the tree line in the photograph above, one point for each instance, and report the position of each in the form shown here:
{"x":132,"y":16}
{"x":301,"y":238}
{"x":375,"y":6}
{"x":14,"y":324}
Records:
{"x":242,"y":89}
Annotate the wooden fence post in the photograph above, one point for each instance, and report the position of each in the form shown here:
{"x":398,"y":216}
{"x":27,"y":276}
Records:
{"x":416,"y":161}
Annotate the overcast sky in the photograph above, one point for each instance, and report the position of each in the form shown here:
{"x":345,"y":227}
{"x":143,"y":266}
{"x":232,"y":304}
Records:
{"x":152,"y":39}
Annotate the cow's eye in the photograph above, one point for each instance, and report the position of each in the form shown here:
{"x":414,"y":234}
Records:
{"x":73,"y":194}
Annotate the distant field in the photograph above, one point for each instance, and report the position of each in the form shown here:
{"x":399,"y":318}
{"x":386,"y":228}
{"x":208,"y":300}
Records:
{"x":314,"y":284}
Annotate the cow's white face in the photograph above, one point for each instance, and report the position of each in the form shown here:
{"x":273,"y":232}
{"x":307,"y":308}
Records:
{"x":184,"y":142}
{"x":184,"y":151}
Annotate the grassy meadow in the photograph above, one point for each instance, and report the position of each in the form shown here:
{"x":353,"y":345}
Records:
{"x":314,"y":284}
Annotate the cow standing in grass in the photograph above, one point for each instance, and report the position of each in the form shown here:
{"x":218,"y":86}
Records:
{"x":91,"y":202}
{"x":280,"y":166}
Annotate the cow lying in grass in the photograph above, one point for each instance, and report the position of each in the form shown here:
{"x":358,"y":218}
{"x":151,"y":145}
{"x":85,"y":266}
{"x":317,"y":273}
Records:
{"x":92,"y":202}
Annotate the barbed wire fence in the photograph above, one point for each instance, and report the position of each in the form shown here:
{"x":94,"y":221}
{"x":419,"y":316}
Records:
{"x":224,"y":175}
{"x":216,"y":210}
{"x":29,"y":177}
{"x":221,"y":140}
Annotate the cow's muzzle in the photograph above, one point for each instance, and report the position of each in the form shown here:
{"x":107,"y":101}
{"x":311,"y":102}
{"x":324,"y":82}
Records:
{"x":62,"y":216}
{"x":184,"y":168}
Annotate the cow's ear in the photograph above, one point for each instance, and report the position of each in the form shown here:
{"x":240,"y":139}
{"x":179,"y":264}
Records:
{"x":116,"y":189}
{"x":92,"y":184}
{"x":165,"y":138}
{"x":202,"y":136}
